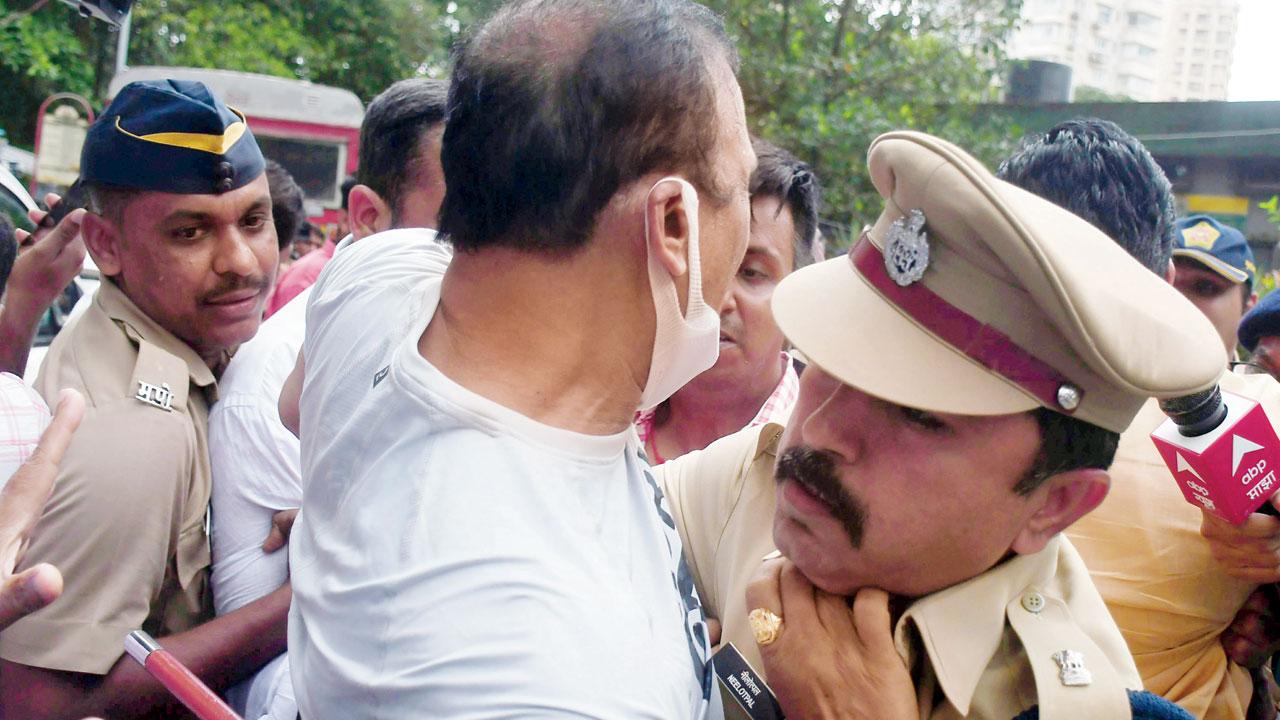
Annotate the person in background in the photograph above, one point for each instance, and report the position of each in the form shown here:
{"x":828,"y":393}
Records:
{"x":303,"y":273}
{"x":255,"y":459}
{"x":308,"y":239}
{"x":1170,"y":598}
{"x":1216,"y":272}
{"x":754,"y":381}
{"x":286,"y":210}
{"x":1260,"y":334}
{"x":177,"y":192}
{"x":400,"y":183}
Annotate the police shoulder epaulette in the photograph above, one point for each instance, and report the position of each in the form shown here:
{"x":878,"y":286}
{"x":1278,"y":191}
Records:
{"x":160,"y":378}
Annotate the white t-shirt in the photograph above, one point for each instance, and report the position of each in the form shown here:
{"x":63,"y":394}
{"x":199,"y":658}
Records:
{"x":255,"y":459}
{"x":257,"y":472}
{"x":456,"y":559}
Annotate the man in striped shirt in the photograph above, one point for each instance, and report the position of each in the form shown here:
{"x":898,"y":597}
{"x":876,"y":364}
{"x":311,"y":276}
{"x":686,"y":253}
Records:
{"x":755,"y":381}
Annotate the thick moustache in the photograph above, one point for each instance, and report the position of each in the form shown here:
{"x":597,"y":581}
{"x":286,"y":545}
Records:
{"x":814,"y":472}
{"x":235,"y":296}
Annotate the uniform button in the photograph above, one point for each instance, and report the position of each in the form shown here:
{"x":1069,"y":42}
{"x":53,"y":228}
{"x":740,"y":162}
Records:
{"x":1033,"y":602}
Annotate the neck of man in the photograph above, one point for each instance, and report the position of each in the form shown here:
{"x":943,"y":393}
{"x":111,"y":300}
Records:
{"x":710,"y":407}
{"x":559,"y":339}
{"x":217,"y":360}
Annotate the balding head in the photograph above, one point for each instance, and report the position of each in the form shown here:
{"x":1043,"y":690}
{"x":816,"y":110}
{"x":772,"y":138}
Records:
{"x":556,"y":105}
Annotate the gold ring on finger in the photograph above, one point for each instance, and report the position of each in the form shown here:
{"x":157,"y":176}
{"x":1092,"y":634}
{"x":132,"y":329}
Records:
{"x":765,"y":625}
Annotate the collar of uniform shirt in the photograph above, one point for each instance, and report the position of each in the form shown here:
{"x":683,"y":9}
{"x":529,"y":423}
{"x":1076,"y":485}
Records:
{"x":961,"y":627}
{"x":120,"y":308}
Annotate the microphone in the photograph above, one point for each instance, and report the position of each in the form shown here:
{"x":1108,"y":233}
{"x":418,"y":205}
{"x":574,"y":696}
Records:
{"x":1222,"y":450}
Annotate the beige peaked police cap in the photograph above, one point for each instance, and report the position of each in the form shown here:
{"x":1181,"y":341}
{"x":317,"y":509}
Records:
{"x":974,"y":297}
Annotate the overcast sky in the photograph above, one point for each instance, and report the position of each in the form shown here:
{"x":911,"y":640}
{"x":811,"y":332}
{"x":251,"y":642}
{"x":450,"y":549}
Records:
{"x":1256,"y":72}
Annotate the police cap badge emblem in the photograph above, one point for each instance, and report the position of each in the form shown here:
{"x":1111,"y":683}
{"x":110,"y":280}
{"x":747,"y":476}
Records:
{"x":906,"y":249}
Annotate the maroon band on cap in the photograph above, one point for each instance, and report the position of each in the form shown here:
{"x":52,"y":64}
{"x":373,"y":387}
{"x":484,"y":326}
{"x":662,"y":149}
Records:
{"x":982,"y":343}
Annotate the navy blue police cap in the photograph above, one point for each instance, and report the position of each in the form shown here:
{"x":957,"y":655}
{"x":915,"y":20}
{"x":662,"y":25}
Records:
{"x":1220,"y":248}
{"x":170,"y":136}
{"x":1261,"y":321}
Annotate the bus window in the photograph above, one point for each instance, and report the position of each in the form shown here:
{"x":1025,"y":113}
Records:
{"x":316,"y":165}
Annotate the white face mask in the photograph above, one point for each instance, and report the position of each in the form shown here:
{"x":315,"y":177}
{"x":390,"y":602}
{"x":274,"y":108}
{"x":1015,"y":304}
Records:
{"x":684,"y":344}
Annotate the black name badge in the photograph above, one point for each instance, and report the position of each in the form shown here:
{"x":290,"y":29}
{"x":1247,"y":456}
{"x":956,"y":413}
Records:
{"x":744,"y":692}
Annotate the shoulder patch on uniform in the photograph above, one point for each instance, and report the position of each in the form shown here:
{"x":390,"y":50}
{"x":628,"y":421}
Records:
{"x":381,"y":375}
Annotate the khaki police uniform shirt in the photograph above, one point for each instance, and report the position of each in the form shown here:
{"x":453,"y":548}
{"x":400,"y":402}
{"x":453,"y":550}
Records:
{"x":980,"y":649}
{"x":126,"y":522}
{"x":1171,"y":599}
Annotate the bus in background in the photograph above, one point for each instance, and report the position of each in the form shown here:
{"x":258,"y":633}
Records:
{"x":312,"y":130}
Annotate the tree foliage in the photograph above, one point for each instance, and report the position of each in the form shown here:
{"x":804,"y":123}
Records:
{"x":820,"y":77}
{"x":1088,"y":93}
{"x":823,"y":78}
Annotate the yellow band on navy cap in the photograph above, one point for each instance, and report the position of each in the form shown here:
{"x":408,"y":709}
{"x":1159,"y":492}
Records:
{"x":215,"y":144}
{"x":1212,"y":262}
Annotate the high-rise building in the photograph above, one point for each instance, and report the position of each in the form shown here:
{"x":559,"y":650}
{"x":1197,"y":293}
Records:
{"x":1148,"y":50}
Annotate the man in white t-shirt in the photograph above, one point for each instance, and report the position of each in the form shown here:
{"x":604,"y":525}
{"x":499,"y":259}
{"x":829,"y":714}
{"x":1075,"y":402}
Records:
{"x":480,"y":535}
{"x":256,"y":460}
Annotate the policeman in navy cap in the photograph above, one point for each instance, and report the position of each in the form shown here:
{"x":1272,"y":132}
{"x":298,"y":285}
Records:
{"x":180,"y":226}
{"x":1260,"y":333}
{"x":1215,"y":271}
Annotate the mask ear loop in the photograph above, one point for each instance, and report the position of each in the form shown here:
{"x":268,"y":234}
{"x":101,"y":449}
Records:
{"x":693,"y":249}
{"x":685,"y":341}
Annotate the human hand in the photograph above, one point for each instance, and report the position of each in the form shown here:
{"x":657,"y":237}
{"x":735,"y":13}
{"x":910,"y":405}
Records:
{"x":1254,"y":634}
{"x":830,"y":660}
{"x":281,"y":526}
{"x":1249,"y":551}
{"x":52,"y":260}
{"x":21,"y":504}
{"x":714,"y":631}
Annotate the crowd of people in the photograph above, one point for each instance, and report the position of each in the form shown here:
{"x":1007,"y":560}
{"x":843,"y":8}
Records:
{"x":601,"y":421}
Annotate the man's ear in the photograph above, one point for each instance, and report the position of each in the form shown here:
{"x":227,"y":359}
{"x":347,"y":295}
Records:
{"x":668,"y":227}
{"x":1170,"y":272}
{"x":1063,"y":499}
{"x":367,"y":212}
{"x":102,"y":240}
{"x":668,"y":230}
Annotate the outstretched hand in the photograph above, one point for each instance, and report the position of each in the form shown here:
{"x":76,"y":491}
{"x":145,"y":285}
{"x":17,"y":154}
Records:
{"x":53,"y":259}
{"x":41,"y":272}
{"x":21,"y":504}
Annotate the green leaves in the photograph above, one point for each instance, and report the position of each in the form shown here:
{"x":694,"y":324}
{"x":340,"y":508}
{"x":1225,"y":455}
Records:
{"x":362,"y":46}
{"x":823,"y":78}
